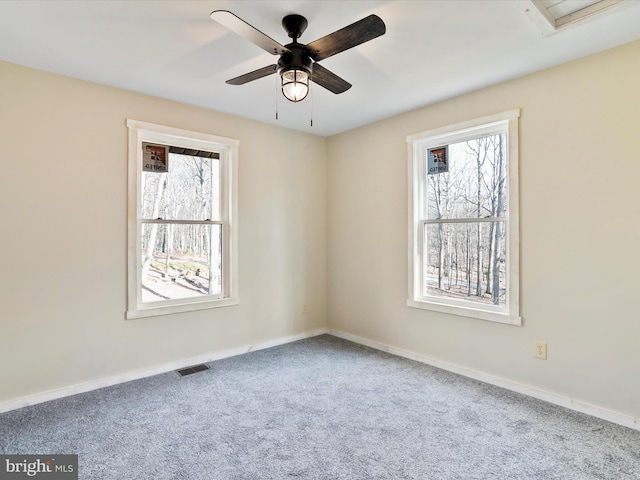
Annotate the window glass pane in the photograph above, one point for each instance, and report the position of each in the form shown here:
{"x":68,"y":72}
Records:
{"x":190,"y":190}
{"x":181,"y":261}
{"x":466,"y":261}
{"x":475,"y":185}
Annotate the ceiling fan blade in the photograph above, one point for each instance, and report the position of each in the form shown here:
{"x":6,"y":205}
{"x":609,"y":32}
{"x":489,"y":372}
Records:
{"x":256,"y":74}
{"x":329,"y":80}
{"x":249,"y":32}
{"x":348,"y":37}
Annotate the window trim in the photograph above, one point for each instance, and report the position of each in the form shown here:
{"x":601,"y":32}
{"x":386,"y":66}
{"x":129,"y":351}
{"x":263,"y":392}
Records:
{"x":510,"y":314}
{"x":139,"y":132}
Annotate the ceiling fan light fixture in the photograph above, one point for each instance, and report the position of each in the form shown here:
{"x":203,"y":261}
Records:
{"x":295,"y":84}
{"x":298,"y":62}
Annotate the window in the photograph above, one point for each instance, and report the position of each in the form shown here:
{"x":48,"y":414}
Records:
{"x":182,"y":211}
{"x":463,"y":219}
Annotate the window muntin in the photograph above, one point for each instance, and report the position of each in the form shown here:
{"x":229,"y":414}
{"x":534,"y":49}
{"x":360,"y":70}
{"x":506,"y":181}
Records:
{"x":463,"y":252}
{"x":182,"y":228}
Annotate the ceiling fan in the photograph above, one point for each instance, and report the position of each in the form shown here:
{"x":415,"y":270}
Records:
{"x":298,"y":63}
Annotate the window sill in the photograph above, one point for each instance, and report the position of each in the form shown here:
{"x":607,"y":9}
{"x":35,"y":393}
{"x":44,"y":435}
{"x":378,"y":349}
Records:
{"x":478,"y":313}
{"x":156,"y":310}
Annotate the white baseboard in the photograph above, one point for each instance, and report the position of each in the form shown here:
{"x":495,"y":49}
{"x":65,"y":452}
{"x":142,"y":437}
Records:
{"x":164,"y":368}
{"x":570,"y":403}
{"x":579,"y":406}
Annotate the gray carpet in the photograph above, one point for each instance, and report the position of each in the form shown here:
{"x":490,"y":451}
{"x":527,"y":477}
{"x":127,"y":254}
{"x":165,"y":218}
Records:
{"x":321,"y":408}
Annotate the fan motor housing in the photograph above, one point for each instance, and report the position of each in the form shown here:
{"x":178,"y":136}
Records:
{"x":295,"y":58}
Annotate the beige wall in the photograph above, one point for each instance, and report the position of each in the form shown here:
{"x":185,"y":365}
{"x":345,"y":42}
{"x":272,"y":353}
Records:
{"x":580,"y":205}
{"x":63,"y":235}
{"x":63,"y":191}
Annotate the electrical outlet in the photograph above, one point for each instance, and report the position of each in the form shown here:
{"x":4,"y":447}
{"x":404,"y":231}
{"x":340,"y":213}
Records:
{"x":540,"y":350}
{"x":305,"y":309}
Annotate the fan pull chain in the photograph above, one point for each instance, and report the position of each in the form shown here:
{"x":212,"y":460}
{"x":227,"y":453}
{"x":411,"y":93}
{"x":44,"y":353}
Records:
{"x":277,"y":96}
{"x":311,"y":92}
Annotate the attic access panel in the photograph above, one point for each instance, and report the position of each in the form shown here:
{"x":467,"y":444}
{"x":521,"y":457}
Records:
{"x":551,"y":15}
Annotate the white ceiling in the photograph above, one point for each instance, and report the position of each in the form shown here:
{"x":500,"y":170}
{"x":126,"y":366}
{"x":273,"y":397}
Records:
{"x":433,"y":50}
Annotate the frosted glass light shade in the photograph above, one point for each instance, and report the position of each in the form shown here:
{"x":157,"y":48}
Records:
{"x":295,"y":84}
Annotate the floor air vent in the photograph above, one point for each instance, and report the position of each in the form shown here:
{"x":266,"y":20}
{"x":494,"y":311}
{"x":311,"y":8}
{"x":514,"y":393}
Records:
{"x":189,"y":370}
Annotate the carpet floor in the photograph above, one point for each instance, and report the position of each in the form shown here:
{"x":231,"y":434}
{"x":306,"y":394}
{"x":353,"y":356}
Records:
{"x":321,"y":408}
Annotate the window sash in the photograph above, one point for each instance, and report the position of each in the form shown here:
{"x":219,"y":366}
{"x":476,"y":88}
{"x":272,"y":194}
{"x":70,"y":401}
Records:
{"x":472,"y":301}
{"x":187,"y":274}
{"x":182,"y":161}
{"x":436,"y":186}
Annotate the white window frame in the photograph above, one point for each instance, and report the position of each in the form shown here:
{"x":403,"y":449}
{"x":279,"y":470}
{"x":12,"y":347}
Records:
{"x":228,"y":150}
{"x":417,"y":145}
